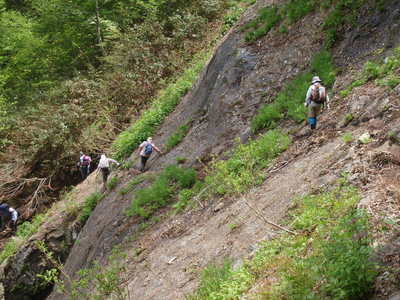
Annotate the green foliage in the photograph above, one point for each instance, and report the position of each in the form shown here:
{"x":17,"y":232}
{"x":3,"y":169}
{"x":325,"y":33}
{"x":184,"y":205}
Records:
{"x":243,"y":169}
{"x":177,"y":137}
{"x":24,"y":232}
{"x":112,"y":183}
{"x":132,"y":184}
{"x":267,"y":19}
{"x":168,"y":99}
{"x":212,"y":277}
{"x":173,"y":178}
{"x":289,"y":102}
{"x":90,"y":204}
{"x":343,"y":12}
{"x":384,"y":73}
{"x":297,"y":9}
{"x":330,"y":257}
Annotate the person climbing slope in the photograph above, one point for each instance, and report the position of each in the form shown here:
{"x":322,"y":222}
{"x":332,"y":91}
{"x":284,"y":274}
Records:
{"x":8,"y":217}
{"x":145,"y":151}
{"x":84,"y":165}
{"x":316,"y":99}
{"x":104,"y":167}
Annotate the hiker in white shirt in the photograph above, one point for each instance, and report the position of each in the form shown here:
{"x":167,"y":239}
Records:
{"x":104,"y":166}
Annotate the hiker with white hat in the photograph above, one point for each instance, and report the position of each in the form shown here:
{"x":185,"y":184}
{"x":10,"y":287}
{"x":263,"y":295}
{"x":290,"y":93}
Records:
{"x":316,"y":98}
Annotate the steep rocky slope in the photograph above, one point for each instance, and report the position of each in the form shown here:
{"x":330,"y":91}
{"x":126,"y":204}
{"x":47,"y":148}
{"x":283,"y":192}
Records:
{"x":165,"y":259}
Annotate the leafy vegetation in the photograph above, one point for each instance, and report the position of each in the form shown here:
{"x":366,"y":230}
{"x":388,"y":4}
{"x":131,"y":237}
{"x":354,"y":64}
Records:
{"x":330,"y":257}
{"x":385,"y":73}
{"x":24,"y":232}
{"x":169,"y":98}
{"x":341,"y":12}
{"x":112,"y":183}
{"x":212,"y":278}
{"x":347,"y":137}
{"x":89,"y":205}
{"x":132,"y":184}
{"x":289,"y":102}
{"x":172,"y":179}
{"x":177,"y":137}
{"x":244,"y":168}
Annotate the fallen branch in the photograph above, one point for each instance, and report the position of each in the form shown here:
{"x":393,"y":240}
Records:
{"x":261,"y":216}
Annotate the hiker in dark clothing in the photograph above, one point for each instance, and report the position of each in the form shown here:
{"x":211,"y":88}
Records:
{"x":145,"y":151}
{"x":8,"y":217}
{"x":84,"y":165}
{"x":316,"y":99}
{"x":104,"y":166}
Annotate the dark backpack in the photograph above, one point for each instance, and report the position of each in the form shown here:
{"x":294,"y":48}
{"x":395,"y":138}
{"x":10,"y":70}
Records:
{"x":85,"y":161}
{"x":148,"y":149}
{"x":318,"y":94}
{"x":4,"y":209}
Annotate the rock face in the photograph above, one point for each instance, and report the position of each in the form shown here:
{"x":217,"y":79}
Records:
{"x":21,"y":281}
{"x":237,"y":81}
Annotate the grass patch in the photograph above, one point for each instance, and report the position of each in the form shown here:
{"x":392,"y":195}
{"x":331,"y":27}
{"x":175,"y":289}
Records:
{"x":347,"y":138}
{"x":385,"y":73}
{"x":212,"y":277}
{"x":173,"y":178}
{"x":289,"y":102}
{"x":166,"y":102}
{"x":132,"y":184}
{"x":329,"y":258}
{"x":268,"y":17}
{"x":177,"y":137}
{"x":89,"y":205}
{"x":24,"y":232}
{"x":243,"y":169}
{"x":112,"y":183}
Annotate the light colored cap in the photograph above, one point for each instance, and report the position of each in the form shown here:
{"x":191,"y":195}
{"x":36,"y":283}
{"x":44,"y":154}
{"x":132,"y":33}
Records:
{"x":316,"y":79}
{"x":149,"y":139}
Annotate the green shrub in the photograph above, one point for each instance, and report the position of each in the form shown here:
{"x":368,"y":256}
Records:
{"x":176,"y":137}
{"x":173,"y":178}
{"x":89,"y":205}
{"x":166,"y":102}
{"x":329,"y":258}
{"x":112,"y":183}
{"x":243,"y":169}
{"x":24,"y":232}
{"x":347,"y":137}
{"x":266,"y":20}
{"x":132,"y":184}
{"x":184,"y":177}
{"x":211,"y":279}
{"x":297,"y":9}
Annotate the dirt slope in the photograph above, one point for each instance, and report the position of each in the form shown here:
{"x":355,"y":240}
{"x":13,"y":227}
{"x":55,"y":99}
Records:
{"x":237,"y":80}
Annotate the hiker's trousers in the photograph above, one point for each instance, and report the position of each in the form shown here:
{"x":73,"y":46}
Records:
{"x":314,"y":109}
{"x":105,"y":172}
{"x":143,"y":160}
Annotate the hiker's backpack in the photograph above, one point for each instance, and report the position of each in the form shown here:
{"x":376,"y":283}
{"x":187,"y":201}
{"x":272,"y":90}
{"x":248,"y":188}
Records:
{"x":85,"y":161}
{"x":4,"y":209}
{"x":148,"y":149}
{"x":318,"y":94}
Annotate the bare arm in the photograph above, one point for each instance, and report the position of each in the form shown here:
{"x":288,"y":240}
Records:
{"x":158,"y":150}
